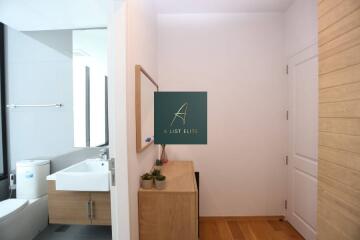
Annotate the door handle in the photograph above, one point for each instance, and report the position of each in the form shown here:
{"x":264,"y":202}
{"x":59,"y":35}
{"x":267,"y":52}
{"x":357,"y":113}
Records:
{"x":89,"y":208}
{"x":92,"y":209}
{"x":112,"y":171}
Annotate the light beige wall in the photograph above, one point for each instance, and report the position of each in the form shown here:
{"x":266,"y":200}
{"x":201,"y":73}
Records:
{"x":300,"y":26}
{"x":141,"y":49}
{"x":239,"y":59}
{"x":339,"y":123}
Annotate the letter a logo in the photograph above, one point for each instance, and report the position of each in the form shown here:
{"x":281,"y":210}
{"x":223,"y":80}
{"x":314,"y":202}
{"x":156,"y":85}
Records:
{"x":181,"y":113}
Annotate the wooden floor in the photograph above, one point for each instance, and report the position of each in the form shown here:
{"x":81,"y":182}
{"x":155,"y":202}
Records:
{"x":246,"y":229}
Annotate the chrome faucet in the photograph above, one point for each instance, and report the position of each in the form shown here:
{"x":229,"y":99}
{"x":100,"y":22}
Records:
{"x":104,"y":154}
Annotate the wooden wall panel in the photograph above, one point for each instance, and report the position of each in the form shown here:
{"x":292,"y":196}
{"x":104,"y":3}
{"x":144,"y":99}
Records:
{"x":345,"y":222}
{"x":340,"y":141}
{"x":327,"y":6}
{"x":339,"y":28}
{"x":340,"y":157}
{"x":326,"y":231}
{"x":340,"y":60}
{"x":338,"y":12}
{"x":337,"y":189}
{"x":346,"y":41}
{"x":339,"y":123}
{"x":343,"y":76}
{"x":341,"y":174}
{"x":340,"y":93}
{"x":349,"y":126}
{"x":346,"y":109}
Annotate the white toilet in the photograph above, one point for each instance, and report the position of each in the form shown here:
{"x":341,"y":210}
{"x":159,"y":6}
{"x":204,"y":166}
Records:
{"x":27,"y":215}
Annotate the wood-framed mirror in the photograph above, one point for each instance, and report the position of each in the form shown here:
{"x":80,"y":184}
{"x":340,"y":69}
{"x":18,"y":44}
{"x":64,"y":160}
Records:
{"x":145,"y":86}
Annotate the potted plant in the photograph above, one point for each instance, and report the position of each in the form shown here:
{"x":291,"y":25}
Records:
{"x":147,"y":181}
{"x":160,"y":182}
{"x":158,"y":164}
{"x":155,"y":173}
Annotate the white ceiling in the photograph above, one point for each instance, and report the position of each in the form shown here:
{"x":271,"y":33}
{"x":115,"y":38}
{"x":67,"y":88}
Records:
{"x":28,"y":15}
{"x":221,"y":6}
{"x":31,"y":15}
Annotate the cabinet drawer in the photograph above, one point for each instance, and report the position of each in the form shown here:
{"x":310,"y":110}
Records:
{"x":71,"y":207}
{"x":101,"y":208}
{"x":67,"y":207}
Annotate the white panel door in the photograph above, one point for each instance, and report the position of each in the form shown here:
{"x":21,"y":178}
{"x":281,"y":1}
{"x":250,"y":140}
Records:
{"x":303,"y":152}
{"x":120,"y":206}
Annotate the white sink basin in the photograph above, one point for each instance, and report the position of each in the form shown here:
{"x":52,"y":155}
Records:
{"x":89,"y":175}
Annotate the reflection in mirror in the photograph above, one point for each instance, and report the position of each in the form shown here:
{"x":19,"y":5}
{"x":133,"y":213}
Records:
{"x":54,"y":66}
{"x":56,"y":94}
{"x":90,"y":87}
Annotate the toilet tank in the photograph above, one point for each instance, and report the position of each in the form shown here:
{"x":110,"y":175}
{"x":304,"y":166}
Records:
{"x":31,"y":178}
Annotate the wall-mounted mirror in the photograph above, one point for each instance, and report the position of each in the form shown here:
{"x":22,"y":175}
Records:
{"x":56,"y":110}
{"x":90,"y":87}
{"x":145,"y":86}
{"x":56,"y":92}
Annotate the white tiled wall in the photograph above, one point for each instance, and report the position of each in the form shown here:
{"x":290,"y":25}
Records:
{"x":39,"y":71}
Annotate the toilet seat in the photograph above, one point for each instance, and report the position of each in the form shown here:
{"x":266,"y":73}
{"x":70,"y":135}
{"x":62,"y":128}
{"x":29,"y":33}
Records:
{"x":9,"y":207}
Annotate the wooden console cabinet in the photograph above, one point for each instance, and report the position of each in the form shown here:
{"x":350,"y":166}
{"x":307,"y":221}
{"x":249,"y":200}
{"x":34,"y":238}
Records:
{"x":69,"y":207}
{"x":171,"y":213}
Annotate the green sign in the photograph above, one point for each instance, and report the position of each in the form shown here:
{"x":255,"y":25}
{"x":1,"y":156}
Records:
{"x":180,"y":118}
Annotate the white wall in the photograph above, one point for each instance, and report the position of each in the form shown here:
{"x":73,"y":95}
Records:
{"x":240,"y":60}
{"x":39,"y":71}
{"x":141,"y":49}
{"x":300,"y":26}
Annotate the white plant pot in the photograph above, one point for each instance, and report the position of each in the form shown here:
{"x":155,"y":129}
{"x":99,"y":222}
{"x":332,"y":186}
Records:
{"x":147,"y":184}
{"x":160,"y":184}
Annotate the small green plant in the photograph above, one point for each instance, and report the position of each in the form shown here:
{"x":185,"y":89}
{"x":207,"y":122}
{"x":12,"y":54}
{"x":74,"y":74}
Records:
{"x":158,"y":162}
{"x":160,"y":182}
{"x":147,"y":181}
{"x":147,"y":176}
{"x":156,"y":172}
{"x":160,"y":178}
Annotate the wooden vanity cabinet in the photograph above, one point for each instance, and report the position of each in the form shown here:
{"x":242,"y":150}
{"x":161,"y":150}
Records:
{"x":101,"y":208}
{"x":70,"y":207}
{"x":171,"y":213}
